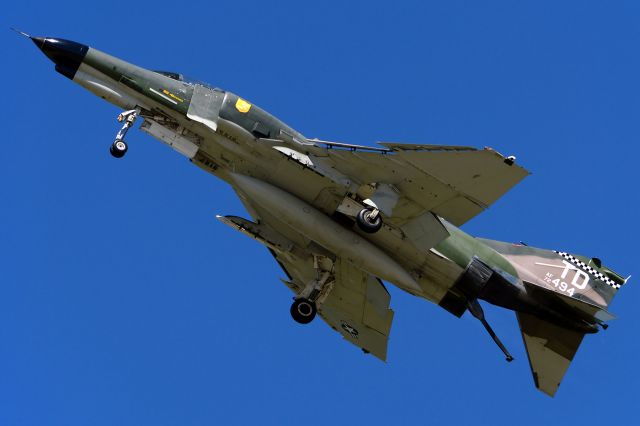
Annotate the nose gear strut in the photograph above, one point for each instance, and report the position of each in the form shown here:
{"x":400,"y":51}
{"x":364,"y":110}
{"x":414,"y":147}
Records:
{"x":119,"y":146}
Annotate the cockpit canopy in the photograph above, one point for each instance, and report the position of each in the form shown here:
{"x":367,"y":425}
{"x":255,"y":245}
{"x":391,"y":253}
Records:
{"x":183,"y":78}
{"x":173,"y":75}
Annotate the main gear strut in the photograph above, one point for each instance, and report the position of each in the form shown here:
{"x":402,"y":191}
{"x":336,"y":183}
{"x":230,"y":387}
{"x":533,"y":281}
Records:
{"x":304,"y":307}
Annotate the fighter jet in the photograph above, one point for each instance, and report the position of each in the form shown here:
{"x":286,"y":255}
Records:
{"x":340,"y":219}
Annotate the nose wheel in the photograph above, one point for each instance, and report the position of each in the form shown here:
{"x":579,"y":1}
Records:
{"x":303,"y":311}
{"x":119,"y":147}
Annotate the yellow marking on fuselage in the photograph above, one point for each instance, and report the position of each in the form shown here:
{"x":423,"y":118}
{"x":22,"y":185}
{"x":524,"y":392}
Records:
{"x":243,"y":106}
{"x":166,"y":92}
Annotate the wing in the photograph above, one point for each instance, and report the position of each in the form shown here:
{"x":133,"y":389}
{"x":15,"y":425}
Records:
{"x":357,"y":306}
{"x":550,"y":349}
{"x":454,"y":182}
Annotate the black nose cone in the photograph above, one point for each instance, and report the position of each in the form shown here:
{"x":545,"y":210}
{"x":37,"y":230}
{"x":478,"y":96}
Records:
{"x":67,"y":55}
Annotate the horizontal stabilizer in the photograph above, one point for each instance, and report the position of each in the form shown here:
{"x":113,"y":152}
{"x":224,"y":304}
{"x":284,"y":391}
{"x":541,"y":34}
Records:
{"x":550,"y":349}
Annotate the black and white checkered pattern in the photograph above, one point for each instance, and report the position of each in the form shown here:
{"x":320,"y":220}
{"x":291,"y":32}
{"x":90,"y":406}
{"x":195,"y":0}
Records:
{"x":600,"y":276}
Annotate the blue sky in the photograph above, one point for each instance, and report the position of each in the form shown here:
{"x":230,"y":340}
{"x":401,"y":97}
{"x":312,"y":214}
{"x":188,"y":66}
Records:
{"x":123,"y":301}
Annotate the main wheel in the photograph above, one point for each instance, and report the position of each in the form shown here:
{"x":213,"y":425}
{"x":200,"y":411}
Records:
{"x":303,"y":311}
{"x":366,"y":224}
{"x":118,"y":149}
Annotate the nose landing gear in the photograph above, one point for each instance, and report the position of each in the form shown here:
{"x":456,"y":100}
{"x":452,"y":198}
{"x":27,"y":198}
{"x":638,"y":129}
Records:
{"x":119,"y":146}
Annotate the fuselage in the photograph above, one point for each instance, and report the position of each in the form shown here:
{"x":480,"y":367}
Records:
{"x":228,"y":136}
{"x":241,"y":145}
{"x":340,"y":219}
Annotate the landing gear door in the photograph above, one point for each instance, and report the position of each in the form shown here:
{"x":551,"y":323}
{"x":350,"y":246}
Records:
{"x":205,"y":106}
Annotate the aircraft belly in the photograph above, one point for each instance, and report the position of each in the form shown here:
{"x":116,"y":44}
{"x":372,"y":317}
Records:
{"x":246,"y":155}
{"x":318,"y":227}
{"x":299,"y":179}
{"x":178,"y":142}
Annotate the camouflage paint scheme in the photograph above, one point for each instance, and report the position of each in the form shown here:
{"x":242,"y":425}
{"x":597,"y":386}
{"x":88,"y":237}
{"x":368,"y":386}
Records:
{"x":304,"y":196}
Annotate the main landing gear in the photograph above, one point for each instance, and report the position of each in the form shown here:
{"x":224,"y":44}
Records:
{"x":303,"y":310}
{"x":119,"y":146}
{"x":305,"y":305}
{"x":369,"y":220}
